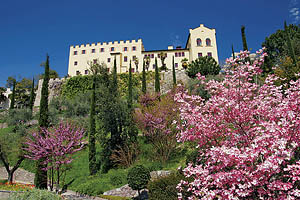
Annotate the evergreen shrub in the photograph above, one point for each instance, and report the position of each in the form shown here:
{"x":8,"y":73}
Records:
{"x":138,"y":177}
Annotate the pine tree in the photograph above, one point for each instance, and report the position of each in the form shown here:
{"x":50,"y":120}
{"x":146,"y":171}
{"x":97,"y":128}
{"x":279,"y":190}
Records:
{"x":144,"y":83}
{"x":31,"y":101}
{"x":157,"y":78}
{"x":130,"y":87}
{"x":174,"y":72}
{"x":92,"y":131}
{"x":245,"y":46}
{"x":291,"y":50}
{"x":233,"y":56}
{"x":12,"y":100}
{"x":40,"y":180}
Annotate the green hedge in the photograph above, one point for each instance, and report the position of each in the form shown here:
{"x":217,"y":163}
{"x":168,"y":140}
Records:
{"x":165,"y":187}
{"x":81,"y":84}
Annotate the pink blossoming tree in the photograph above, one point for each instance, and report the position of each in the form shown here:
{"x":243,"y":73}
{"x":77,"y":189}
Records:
{"x":248,"y":136}
{"x":56,"y":146}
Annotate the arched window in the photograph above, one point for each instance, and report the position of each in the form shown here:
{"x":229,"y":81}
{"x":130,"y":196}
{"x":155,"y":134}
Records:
{"x":208,"y":42}
{"x":199,"y":42}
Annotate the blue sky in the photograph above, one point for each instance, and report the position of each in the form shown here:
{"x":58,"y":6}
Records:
{"x":30,"y":29}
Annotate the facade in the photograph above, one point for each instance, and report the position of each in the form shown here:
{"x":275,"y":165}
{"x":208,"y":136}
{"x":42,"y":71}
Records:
{"x":201,"y":42}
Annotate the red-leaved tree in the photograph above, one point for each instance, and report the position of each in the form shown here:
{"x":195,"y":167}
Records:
{"x":57,"y":147}
{"x":248,"y":136}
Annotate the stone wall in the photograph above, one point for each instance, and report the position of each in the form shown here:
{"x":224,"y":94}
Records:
{"x":54,"y":90}
{"x":166,"y":80}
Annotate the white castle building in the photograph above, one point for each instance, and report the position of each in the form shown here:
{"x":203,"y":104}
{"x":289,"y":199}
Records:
{"x":201,"y":42}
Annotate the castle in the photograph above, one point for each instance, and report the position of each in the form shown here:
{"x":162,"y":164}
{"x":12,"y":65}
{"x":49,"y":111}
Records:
{"x":201,"y":42}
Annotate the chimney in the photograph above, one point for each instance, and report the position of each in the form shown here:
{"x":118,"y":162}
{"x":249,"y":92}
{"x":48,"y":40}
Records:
{"x":170,"y":47}
{"x":178,"y":47}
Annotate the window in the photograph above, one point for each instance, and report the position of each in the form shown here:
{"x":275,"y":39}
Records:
{"x":208,"y":42}
{"x":75,"y":52}
{"x":75,"y":63}
{"x":176,"y":54}
{"x":125,"y":58}
{"x":176,"y":65}
{"x":95,"y":61}
{"x":199,"y":42}
{"x":152,"y":55}
{"x":86,"y":71}
{"x":182,"y":54}
{"x":108,"y":59}
{"x":179,"y":54}
{"x":102,"y":50}
{"x":93,"y":50}
{"x":209,"y":54}
{"x":132,"y":69}
{"x":134,"y":48}
{"x":83,"y":52}
{"x":77,"y":73}
{"x":107,"y":69}
{"x":133,"y":58}
{"x":199,"y":55}
{"x":112,"y":49}
{"x":125,"y":48}
{"x":153,"y":66}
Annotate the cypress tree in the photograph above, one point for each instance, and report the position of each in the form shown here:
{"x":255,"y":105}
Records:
{"x":115,"y":78}
{"x":41,"y":175}
{"x":289,"y":44}
{"x":157,"y":79}
{"x":174,"y":73}
{"x":245,"y":46}
{"x":233,"y":56}
{"x":144,"y":83}
{"x":31,"y":101}
{"x":92,"y":131}
{"x":130,"y":87}
{"x":12,"y":100}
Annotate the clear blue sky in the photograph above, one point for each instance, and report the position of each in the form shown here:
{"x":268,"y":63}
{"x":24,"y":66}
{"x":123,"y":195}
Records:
{"x":30,"y":29}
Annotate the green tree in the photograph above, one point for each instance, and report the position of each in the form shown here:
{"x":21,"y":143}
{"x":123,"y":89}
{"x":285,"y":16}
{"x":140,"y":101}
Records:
{"x":41,"y":175}
{"x":92,"y":128}
{"x":130,"y":87}
{"x":12,"y":98}
{"x":138,"y":178}
{"x":32,"y":96}
{"x":115,"y":78}
{"x":276,"y":44}
{"x":144,"y":83}
{"x":233,"y":56}
{"x":157,"y":78}
{"x":245,"y":46}
{"x":290,"y":47}
{"x":173,"y":72}
{"x":204,"y":65}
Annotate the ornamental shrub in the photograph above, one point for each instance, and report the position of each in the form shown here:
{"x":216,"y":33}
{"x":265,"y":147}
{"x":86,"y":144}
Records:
{"x":34,"y":194}
{"x":165,"y":187}
{"x":204,"y":65}
{"x":138,"y":177}
{"x":247,"y":134}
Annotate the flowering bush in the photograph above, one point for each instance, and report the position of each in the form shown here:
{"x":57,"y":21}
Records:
{"x":247,"y":135}
{"x":56,"y":146}
{"x":155,"y":118}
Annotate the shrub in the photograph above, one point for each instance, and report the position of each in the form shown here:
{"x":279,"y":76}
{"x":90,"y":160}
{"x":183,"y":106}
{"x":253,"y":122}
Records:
{"x":138,"y":177}
{"x":165,"y":187}
{"x":18,"y":116}
{"x":203,"y":65}
{"x":34,"y":194}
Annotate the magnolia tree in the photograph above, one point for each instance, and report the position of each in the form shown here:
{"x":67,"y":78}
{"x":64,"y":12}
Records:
{"x":247,"y":135}
{"x":56,"y":145}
